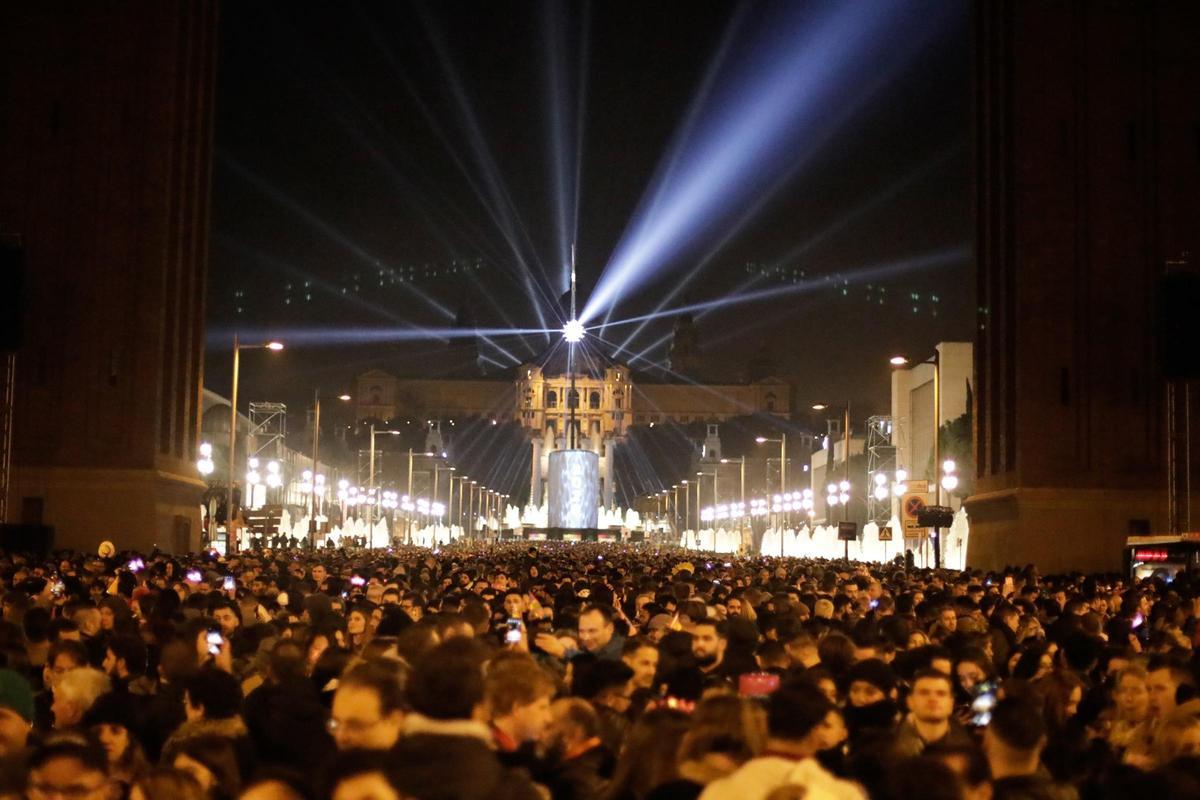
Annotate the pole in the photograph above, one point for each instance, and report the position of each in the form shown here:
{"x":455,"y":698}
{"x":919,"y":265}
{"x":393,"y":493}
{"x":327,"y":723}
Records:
{"x":408,"y":526}
{"x":572,"y":397}
{"x":742,"y":505}
{"x":410,"y":472}
{"x":937,"y":452}
{"x":462,"y":528}
{"x":371,"y":487}
{"x":312,"y":519}
{"x":471,"y":510}
{"x":675,"y":509}
{"x":230,"y":513}
{"x":846,"y":469}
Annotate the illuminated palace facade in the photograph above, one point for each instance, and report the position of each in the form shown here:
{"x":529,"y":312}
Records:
{"x":611,"y":400}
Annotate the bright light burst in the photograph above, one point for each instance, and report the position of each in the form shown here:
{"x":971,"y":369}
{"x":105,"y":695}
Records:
{"x":573,"y":331}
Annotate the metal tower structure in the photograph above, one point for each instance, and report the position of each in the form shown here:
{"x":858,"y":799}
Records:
{"x":881,"y":458}
{"x":268,"y":427}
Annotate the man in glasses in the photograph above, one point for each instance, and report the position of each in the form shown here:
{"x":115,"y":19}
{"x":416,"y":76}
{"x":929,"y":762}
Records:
{"x":69,"y":770}
{"x":368,"y":707}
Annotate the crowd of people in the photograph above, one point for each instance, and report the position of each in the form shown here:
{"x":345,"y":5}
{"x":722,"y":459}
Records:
{"x":588,"y":672}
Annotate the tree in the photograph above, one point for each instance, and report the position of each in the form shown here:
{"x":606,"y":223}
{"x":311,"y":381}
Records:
{"x":958,"y":443}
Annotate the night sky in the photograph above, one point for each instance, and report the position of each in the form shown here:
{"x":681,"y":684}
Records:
{"x":418,"y":139}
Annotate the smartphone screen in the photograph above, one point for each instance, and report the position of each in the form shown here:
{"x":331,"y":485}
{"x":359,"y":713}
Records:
{"x":982,"y":704}
{"x":229,"y":584}
{"x":215,"y":640}
{"x":513,"y":634}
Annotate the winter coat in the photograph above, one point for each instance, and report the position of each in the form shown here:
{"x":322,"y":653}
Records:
{"x":287,"y":724}
{"x":453,"y":760}
{"x":232,"y":728}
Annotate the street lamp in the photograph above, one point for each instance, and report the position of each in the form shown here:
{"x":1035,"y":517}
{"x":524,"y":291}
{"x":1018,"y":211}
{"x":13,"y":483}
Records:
{"x":687,"y":504}
{"x":699,"y":484}
{"x":231,"y":515}
{"x":438,"y":469}
{"x":312,"y":518}
{"x":371,"y":471}
{"x":949,"y":478}
{"x":900,"y":361}
{"x":470,"y":532}
{"x":782,"y":440}
{"x":205,"y":465}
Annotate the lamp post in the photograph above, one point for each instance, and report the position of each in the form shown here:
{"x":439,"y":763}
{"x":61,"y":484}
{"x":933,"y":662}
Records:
{"x":462,"y":480}
{"x":901,"y":361}
{"x":231,"y":512}
{"x":703,"y":474}
{"x":741,"y":491}
{"x":437,"y":469}
{"x":312,"y":517}
{"x":687,"y":504}
{"x":845,"y":459}
{"x":470,"y":531}
{"x":675,"y":506}
{"x":782,"y":440}
{"x":371,"y":475}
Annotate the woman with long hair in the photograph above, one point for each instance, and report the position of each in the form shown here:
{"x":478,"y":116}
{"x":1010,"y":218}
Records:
{"x":1061,"y":692}
{"x":110,"y":721}
{"x":1131,"y":710}
{"x":726,"y":731}
{"x":649,"y":755}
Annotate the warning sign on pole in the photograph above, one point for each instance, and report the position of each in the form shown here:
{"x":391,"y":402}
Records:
{"x":912,"y":503}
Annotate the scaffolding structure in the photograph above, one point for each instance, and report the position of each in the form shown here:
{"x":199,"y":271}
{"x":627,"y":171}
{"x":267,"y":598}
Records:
{"x":881,"y":459}
{"x":268,"y":430}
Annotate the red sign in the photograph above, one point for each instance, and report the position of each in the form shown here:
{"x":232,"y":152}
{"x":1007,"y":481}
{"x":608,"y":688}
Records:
{"x":1151,"y":555}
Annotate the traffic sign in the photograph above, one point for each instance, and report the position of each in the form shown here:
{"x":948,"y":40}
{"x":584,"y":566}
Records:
{"x":847,"y":531}
{"x":912,"y":504}
{"x":885,"y":533}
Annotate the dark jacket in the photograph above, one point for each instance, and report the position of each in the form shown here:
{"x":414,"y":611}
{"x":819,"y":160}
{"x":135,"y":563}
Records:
{"x":445,"y":766}
{"x":231,"y":728}
{"x":1004,"y":643}
{"x":287,"y":723}
{"x":579,"y":778}
{"x":163,"y":714}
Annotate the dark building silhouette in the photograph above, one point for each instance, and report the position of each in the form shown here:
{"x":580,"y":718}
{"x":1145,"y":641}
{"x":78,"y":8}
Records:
{"x":684,"y":356}
{"x":1087,"y":160}
{"x":105,"y":154}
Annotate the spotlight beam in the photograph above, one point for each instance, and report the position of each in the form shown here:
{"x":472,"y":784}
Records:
{"x":316,"y":337}
{"x":771,"y":109}
{"x":496,"y":208}
{"x":891,"y":269}
{"x":497,"y":191}
{"x":325,"y":228}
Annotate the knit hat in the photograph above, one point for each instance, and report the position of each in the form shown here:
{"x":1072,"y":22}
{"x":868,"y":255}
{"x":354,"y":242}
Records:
{"x":874,"y":672}
{"x":111,"y":709}
{"x":15,"y":694}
